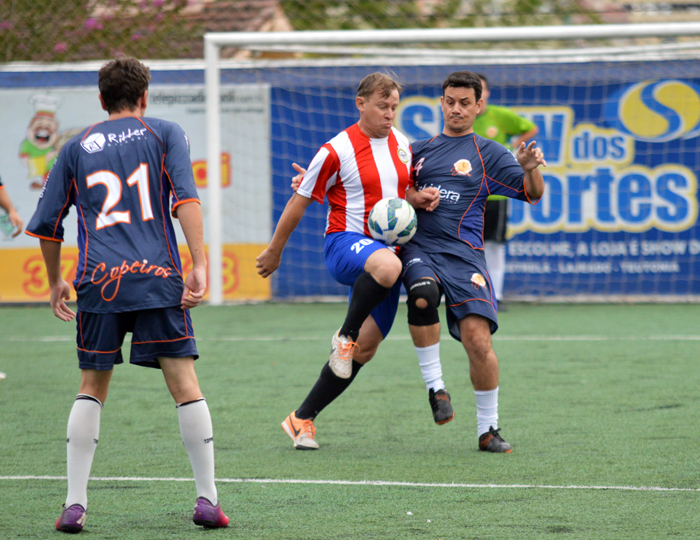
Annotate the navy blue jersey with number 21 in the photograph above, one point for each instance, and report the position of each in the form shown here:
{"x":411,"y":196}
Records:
{"x":121,"y":175}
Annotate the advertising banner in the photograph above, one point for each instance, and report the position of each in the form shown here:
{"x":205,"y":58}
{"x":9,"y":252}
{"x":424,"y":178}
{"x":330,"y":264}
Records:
{"x":39,"y":121}
{"x":619,"y":215}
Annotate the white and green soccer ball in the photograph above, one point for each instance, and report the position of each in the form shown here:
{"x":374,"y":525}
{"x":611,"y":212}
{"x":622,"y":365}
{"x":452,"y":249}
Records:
{"x":392,"y":221}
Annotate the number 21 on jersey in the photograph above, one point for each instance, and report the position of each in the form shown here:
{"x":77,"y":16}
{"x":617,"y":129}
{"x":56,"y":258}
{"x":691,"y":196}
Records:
{"x":113,"y":183}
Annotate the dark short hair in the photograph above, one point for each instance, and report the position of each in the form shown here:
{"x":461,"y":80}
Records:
{"x":463,"y":79}
{"x":122,"y":82}
{"x":484,"y":79}
{"x":383,"y":81}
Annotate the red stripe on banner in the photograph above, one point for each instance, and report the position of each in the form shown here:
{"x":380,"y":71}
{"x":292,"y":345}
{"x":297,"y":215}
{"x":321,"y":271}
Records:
{"x":401,"y":169}
{"x":369,"y":174}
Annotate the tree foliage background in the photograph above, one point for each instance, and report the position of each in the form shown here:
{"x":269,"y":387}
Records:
{"x":76,"y":30}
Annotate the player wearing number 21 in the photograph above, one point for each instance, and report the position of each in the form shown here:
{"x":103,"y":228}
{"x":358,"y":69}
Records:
{"x":367,"y":162}
{"x":122,"y":175}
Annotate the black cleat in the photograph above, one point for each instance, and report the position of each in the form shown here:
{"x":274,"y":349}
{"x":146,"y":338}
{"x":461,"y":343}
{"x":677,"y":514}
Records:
{"x":441,"y":405}
{"x":492,"y":442}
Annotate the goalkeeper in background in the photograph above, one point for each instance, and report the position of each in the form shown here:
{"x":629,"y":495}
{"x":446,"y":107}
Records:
{"x":502,"y":125}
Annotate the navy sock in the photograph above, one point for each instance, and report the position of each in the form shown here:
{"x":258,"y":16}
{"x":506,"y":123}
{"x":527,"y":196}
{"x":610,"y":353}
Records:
{"x":366,"y":295}
{"x":328,"y":387}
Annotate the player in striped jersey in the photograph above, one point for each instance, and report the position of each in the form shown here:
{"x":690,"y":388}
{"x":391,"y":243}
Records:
{"x":121,"y":176}
{"x":361,"y":165}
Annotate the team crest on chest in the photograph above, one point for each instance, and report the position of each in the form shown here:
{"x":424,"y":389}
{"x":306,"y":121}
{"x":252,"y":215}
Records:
{"x":478,"y":281}
{"x":491,"y":132}
{"x":462,"y":167}
{"x":403,"y":155}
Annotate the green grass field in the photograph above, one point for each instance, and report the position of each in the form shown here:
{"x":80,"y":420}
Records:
{"x":601,"y":404}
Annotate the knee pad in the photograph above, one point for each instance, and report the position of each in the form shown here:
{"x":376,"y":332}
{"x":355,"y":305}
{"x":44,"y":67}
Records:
{"x":429,"y":291}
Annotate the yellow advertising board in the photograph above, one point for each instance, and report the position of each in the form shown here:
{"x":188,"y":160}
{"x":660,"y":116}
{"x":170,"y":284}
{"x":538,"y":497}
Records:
{"x":23,"y":275}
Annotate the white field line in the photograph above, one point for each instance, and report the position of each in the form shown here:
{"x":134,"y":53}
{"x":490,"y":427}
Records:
{"x":51,"y":339}
{"x":379,"y":483}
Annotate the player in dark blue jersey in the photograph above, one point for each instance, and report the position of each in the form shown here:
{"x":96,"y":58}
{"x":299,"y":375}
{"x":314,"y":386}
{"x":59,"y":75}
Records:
{"x":446,"y":255}
{"x":121,"y":175}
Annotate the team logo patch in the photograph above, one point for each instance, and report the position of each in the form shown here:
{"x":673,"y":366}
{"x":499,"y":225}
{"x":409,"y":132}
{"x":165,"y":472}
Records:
{"x":462,"y":167}
{"x":94,"y":143}
{"x":478,"y":281}
{"x":403,"y":155}
{"x":491,"y":132}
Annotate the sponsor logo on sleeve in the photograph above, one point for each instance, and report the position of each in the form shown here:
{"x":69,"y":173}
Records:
{"x":94,"y":143}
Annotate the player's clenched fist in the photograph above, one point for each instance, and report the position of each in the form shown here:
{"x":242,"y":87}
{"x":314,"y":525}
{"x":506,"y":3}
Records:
{"x":267,"y":262}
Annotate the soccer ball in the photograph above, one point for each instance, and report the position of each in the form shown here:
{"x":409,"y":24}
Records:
{"x":392,"y":221}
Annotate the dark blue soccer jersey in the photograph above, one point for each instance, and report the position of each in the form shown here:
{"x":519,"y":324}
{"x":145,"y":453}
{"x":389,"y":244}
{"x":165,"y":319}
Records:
{"x":466,"y":170}
{"x":121,"y":176}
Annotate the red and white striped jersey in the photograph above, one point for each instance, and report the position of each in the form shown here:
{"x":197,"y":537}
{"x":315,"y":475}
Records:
{"x":355,"y":172}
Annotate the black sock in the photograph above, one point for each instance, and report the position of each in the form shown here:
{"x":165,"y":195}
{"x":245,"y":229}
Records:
{"x":366,"y":295}
{"x":328,"y":387}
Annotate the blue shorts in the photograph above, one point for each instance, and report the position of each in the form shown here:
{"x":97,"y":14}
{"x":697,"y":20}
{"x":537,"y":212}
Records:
{"x":163,"y":332}
{"x":466,"y":285}
{"x":346,"y":254}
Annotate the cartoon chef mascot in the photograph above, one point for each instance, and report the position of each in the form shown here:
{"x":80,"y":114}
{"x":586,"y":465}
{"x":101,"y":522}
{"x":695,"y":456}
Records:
{"x":38,"y":151}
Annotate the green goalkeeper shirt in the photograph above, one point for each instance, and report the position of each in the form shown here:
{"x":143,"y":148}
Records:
{"x":501,"y":124}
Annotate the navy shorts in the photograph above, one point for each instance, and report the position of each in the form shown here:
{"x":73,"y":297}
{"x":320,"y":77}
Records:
{"x":163,"y":332}
{"x":466,"y":285}
{"x":346,"y":254}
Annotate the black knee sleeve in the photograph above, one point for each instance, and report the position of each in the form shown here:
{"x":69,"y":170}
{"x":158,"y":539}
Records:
{"x":429,"y":291}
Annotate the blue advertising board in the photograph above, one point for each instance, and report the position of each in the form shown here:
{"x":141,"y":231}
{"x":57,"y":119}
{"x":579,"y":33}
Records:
{"x":621,"y":142}
{"x":619,"y":215}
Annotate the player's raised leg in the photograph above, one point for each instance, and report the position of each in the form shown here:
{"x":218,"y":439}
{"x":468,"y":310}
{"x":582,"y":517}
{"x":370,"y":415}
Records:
{"x":381,"y":270}
{"x":83,"y":433}
{"x":197,"y":435}
{"x":483,"y":369}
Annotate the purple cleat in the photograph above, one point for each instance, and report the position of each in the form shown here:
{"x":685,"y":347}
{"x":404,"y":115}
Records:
{"x":72,"y":519}
{"x":208,"y":516}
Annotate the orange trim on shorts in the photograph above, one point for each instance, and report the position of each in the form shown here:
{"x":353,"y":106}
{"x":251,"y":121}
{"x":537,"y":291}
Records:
{"x":470,"y":300}
{"x":161,"y":341}
{"x":43,"y":237}
{"x":100,"y":352}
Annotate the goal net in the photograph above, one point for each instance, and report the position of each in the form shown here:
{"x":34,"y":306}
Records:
{"x":618,"y":112}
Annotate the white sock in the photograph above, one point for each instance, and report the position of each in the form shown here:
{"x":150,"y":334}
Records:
{"x":198,"y":435}
{"x":496,"y":265}
{"x":486,"y":410}
{"x":82,"y":435}
{"x":430,"y":367}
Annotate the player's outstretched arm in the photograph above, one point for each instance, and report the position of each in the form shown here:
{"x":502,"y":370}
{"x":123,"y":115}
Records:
{"x":60,"y":289}
{"x":269,"y":260}
{"x":530,"y":158}
{"x":190,"y":216}
{"x":425,"y":199}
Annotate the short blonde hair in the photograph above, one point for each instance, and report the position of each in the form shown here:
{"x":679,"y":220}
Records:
{"x":383,"y":82}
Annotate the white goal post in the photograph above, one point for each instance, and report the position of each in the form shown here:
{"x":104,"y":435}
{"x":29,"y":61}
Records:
{"x":329,"y":41}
